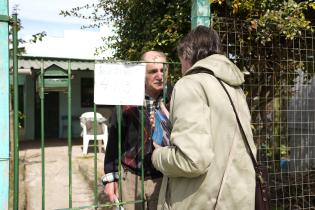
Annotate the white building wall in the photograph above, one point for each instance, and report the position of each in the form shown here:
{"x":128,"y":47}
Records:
{"x":77,"y":110}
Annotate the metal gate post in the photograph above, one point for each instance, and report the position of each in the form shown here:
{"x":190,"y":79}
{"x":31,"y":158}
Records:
{"x":16,"y":113}
{"x":200,"y":13}
{"x":4,"y":106}
{"x":42,"y":128}
{"x":69,"y":132}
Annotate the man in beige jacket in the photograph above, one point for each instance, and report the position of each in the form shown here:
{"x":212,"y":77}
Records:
{"x":207,"y":166}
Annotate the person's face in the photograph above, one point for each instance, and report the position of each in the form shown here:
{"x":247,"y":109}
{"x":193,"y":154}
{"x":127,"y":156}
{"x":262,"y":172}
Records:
{"x":185,"y":64}
{"x":155,"y":76}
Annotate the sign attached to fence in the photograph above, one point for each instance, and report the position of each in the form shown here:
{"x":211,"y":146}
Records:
{"x":119,"y":84}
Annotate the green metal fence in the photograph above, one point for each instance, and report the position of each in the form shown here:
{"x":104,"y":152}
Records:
{"x":97,"y":190}
{"x":280,"y":88}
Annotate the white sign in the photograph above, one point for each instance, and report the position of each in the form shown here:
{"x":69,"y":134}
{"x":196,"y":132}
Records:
{"x":119,"y":84}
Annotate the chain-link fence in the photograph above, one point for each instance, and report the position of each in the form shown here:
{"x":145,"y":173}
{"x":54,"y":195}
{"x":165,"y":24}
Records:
{"x":280,"y":90}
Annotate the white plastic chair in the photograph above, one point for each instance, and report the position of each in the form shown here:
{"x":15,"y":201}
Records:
{"x":87,"y":124}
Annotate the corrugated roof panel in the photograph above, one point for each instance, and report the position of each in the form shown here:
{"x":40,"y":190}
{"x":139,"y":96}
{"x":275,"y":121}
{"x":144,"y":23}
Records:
{"x":36,"y":63}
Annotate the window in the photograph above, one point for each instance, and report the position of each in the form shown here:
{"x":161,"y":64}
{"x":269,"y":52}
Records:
{"x":87,"y":92}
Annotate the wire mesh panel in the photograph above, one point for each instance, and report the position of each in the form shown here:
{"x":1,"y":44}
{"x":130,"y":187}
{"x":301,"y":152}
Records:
{"x":280,"y":88}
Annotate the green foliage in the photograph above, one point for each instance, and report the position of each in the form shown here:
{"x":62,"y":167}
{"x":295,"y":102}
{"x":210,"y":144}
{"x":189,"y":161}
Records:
{"x":139,"y":25}
{"x":271,"y":18}
{"x":142,"y":25}
{"x":288,"y":20}
{"x":265,"y":25}
{"x":38,"y":37}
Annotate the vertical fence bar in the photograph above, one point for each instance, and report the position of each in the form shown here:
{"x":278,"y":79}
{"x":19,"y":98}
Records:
{"x":200,"y":13}
{"x":69,"y":133}
{"x":42,"y":100}
{"x":311,"y":60}
{"x":142,"y":156}
{"x":288,"y":87}
{"x":119,"y":119}
{"x":4,"y":106}
{"x":95,"y":154}
{"x":165,"y":73}
{"x":16,"y":114}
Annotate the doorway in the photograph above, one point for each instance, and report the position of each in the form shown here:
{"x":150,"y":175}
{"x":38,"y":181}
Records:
{"x":51,"y":115}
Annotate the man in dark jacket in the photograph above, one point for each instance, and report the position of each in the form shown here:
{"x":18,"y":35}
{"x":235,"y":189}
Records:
{"x":131,"y":133}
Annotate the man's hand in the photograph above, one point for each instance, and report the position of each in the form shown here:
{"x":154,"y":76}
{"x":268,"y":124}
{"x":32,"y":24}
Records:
{"x":152,"y":120}
{"x":111,"y":191}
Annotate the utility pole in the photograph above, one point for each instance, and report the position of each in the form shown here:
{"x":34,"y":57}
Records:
{"x":4,"y":106}
{"x":200,"y":13}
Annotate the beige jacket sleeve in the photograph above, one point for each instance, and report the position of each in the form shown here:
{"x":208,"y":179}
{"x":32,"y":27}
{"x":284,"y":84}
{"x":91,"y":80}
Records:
{"x":191,"y":152}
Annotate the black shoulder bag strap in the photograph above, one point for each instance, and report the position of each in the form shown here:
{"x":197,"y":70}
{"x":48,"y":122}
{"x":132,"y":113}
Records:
{"x":241,"y":128}
{"x":242,"y":132}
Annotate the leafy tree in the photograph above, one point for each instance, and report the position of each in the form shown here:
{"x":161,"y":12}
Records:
{"x":140,"y":25}
{"x":149,"y":24}
{"x":271,"y":18}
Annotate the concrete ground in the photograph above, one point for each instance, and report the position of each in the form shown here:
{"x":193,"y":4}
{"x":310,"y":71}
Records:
{"x":57,"y":175}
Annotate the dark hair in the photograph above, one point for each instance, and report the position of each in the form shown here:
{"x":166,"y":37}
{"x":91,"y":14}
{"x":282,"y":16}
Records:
{"x":199,"y":43}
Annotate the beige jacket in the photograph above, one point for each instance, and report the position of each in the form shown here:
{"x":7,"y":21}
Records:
{"x":207,"y":143}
